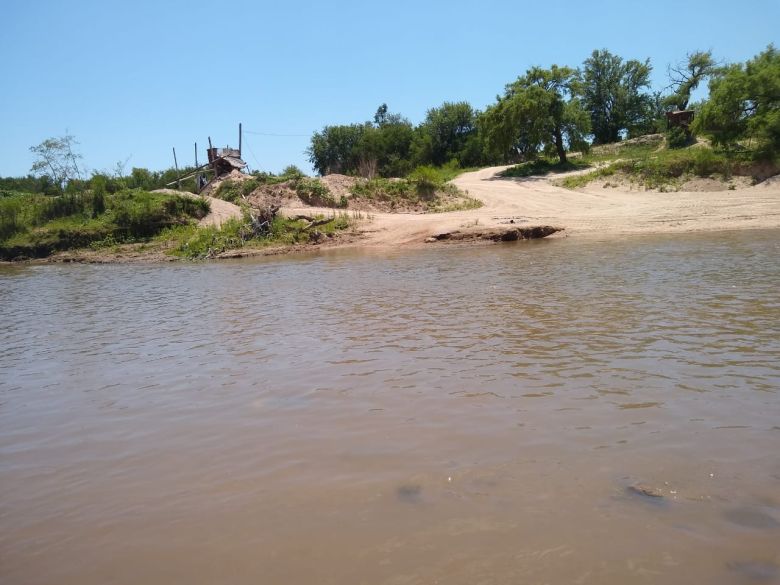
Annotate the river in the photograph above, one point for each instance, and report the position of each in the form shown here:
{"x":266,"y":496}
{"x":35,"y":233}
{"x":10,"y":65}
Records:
{"x":459,"y":415}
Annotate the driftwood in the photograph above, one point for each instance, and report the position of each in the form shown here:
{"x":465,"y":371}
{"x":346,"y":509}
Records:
{"x":260,"y":220}
{"x":313,"y":221}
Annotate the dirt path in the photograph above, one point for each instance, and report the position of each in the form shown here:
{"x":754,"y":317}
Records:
{"x":536,"y":201}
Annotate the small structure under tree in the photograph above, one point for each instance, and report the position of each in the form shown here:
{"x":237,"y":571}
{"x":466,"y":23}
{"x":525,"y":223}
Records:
{"x":680,"y":119}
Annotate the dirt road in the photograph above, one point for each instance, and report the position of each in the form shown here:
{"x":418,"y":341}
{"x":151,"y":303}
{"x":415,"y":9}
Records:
{"x":595,"y":210}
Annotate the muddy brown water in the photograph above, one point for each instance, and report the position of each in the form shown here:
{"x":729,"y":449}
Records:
{"x":566,"y":411}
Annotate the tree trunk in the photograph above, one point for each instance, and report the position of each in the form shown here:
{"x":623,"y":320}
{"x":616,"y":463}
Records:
{"x":559,"y":148}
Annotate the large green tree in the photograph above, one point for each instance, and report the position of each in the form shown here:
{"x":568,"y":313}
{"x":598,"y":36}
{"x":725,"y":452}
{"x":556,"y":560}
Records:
{"x":448,"y":132}
{"x":368,"y":149}
{"x":744,"y":103}
{"x":387,"y":144}
{"x":615,"y":94}
{"x":541,"y":111}
{"x":336,"y":148}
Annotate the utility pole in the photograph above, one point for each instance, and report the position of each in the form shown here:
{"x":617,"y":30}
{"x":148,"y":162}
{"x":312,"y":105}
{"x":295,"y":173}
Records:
{"x":178,"y":175}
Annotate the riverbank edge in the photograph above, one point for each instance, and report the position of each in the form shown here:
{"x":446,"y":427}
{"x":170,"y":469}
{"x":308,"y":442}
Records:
{"x":128,"y":255}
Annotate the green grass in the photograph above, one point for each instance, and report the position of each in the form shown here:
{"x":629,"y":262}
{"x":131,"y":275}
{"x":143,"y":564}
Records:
{"x":37,"y":225}
{"x":667,"y":169}
{"x":542,"y":167}
{"x":426,"y":188}
{"x":316,"y":193}
{"x":612,"y":152}
{"x":578,"y":181}
{"x":233,"y":191}
{"x":447,"y":172}
{"x":192,"y":242}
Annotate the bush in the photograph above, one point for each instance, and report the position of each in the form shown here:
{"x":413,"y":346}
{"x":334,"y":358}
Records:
{"x":426,"y":180}
{"x":314,"y":192}
{"x":36,"y":225}
{"x":234,"y":191}
{"x":677,"y":137}
{"x":291,"y":172}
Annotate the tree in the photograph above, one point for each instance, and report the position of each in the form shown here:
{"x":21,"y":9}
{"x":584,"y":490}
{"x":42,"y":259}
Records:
{"x":385,"y":148}
{"x":382,"y":147}
{"x":744,"y":103}
{"x":685,"y":77}
{"x":539,"y":111}
{"x":448,"y":132}
{"x":56,"y":158}
{"x":612,"y":94}
{"x":335,"y":149}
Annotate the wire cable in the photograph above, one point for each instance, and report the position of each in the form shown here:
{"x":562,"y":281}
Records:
{"x":273,"y":134}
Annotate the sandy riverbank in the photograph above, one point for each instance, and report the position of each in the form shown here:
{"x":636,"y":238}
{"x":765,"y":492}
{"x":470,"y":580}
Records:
{"x":595,"y":210}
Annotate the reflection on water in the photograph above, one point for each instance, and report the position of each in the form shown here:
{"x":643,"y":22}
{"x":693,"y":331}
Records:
{"x":558,"y":411}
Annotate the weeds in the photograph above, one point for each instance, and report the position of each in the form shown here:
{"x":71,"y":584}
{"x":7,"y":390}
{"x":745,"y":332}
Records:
{"x":194,"y":243}
{"x":426,"y":189}
{"x":544,"y":167}
{"x":37,"y":225}
{"x":667,"y":169}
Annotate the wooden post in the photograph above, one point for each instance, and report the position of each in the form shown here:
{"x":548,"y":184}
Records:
{"x":178,"y":176}
{"x":212,"y":166}
{"x":196,"y":155}
{"x":239,"y":139}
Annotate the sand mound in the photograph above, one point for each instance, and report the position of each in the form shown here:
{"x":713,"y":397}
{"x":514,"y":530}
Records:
{"x":282,"y":194}
{"x":339,"y":185}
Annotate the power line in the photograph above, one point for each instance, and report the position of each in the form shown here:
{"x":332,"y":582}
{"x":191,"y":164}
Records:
{"x":277,"y":135}
{"x":252,"y":152}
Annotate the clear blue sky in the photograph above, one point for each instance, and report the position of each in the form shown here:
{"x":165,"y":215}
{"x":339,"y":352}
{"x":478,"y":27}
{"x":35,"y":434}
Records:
{"x":131,"y":79}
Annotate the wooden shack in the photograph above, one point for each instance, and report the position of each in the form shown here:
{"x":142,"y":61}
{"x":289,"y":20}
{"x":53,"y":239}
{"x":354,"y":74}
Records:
{"x":680,"y":119}
{"x":224,"y":160}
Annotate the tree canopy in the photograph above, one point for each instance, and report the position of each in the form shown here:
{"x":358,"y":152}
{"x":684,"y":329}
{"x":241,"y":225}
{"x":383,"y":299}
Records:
{"x":448,"y":132}
{"x":614,"y":93}
{"x":553,"y":110}
{"x":685,"y":77}
{"x":57,"y":159}
{"x":539,"y":111}
{"x":744,"y":103}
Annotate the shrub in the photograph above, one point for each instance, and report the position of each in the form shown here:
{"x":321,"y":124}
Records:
{"x":426,"y":180}
{"x":314,"y":192}
{"x":37,"y":225}
{"x":677,"y":137}
{"x":234,"y":191}
{"x":292,"y":172}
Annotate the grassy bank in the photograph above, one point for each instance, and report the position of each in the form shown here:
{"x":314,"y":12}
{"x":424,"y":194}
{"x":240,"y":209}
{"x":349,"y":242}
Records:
{"x":426,"y":189}
{"x":36,"y":226}
{"x":192,"y":242}
{"x":666,"y":169}
{"x":140,"y":223}
{"x":544,"y":167}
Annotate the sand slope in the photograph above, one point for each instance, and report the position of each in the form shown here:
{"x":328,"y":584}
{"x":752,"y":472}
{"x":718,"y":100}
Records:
{"x":594,"y":210}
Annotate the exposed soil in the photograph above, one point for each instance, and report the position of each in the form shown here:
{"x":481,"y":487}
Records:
{"x":281,"y":194}
{"x":593,"y":211}
{"x":339,"y":185}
